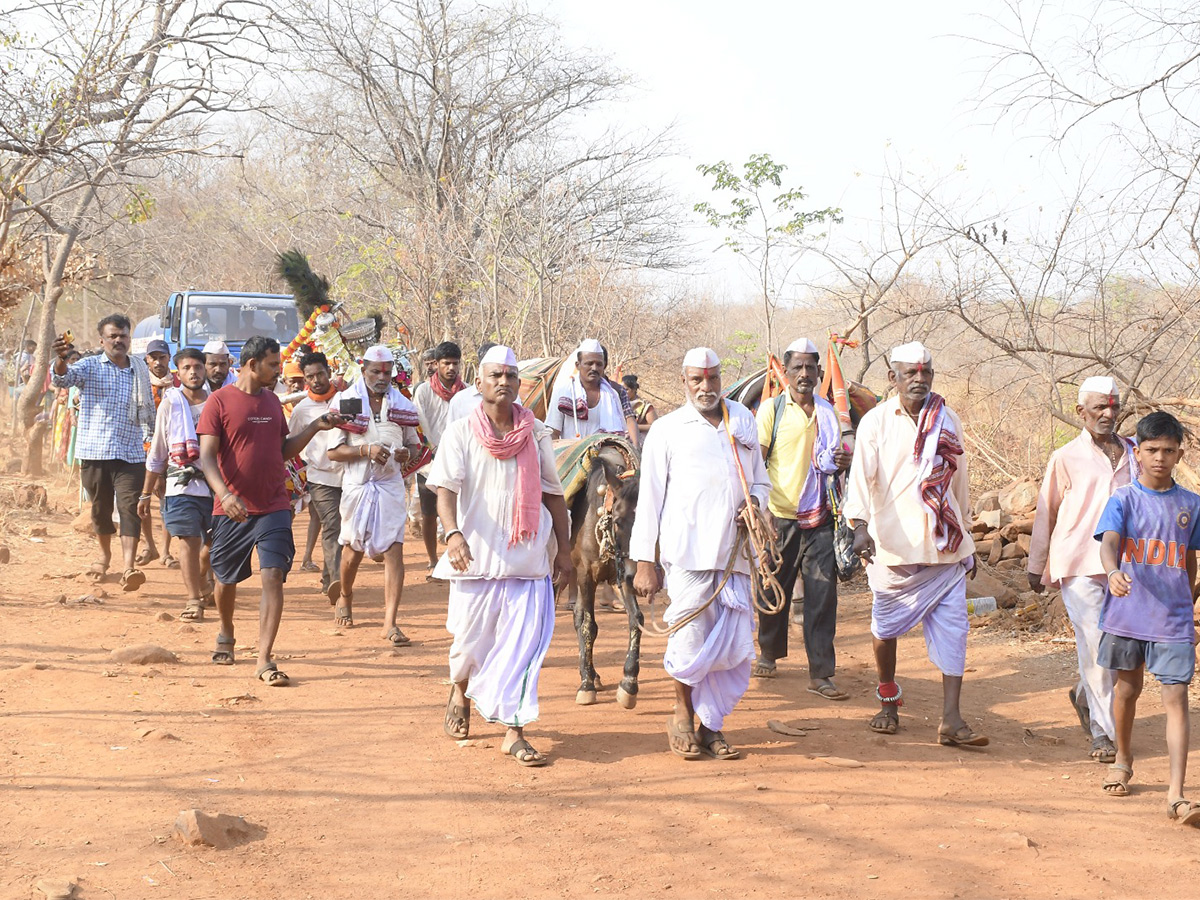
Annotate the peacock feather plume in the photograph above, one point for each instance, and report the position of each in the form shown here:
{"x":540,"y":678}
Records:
{"x":309,"y":289}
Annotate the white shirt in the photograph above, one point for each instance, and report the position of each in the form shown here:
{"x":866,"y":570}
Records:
{"x":691,"y":491}
{"x":434,"y":411}
{"x":884,"y":492}
{"x":463,"y":404}
{"x":158,"y":457}
{"x":321,"y":469}
{"x":383,"y":432}
{"x":485,"y":487}
{"x":606,"y":415}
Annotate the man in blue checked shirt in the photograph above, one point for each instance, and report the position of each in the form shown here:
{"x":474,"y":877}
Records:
{"x":116,"y":418}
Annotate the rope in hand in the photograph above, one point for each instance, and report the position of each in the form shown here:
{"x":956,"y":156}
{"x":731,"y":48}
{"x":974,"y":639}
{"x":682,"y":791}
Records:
{"x":755,"y":543}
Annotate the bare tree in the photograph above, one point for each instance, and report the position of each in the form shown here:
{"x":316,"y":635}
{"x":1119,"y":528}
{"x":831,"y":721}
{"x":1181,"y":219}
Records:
{"x":763,"y":225}
{"x":98,"y":98}
{"x":457,"y":122}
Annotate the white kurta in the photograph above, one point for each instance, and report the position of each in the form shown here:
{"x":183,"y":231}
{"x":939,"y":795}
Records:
{"x":320,"y":469}
{"x":606,"y":415}
{"x":485,"y":488}
{"x":687,"y":504}
{"x":373,"y":507}
{"x":501,"y":610}
{"x":690,"y":491}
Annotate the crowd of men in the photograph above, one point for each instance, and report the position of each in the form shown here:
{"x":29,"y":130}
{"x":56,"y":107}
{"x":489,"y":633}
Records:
{"x":486,"y":474}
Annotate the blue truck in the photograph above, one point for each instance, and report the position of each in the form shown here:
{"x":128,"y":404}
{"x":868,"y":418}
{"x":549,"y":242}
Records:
{"x":192,"y":318}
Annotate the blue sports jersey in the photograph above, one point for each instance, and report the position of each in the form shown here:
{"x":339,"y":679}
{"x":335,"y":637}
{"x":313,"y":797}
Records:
{"x":1157,"y":529}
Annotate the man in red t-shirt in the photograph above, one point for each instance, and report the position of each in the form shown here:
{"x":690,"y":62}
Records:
{"x":243,"y":443}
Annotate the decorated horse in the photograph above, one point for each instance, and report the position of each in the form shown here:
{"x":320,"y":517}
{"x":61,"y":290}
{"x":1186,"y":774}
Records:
{"x":599,"y":475}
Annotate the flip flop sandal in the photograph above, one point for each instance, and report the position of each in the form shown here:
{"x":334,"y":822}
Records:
{"x":309,"y":567}
{"x":1103,"y":750}
{"x":829,"y":691}
{"x":1190,"y":816}
{"x":132,"y":580}
{"x":1116,"y":784}
{"x":455,"y":715}
{"x":146,"y":557}
{"x":343,"y":613}
{"x":209,"y":600}
{"x":522,"y":751}
{"x":223,"y":655}
{"x":334,"y":592}
{"x":885,"y":722}
{"x":398,"y":637}
{"x":964,"y":737}
{"x":96,"y":572}
{"x":713,"y":743}
{"x":762,"y":670}
{"x":1081,"y":710}
{"x":682,"y":741}
{"x":193,"y":612}
{"x":271,"y":676}
{"x":170,"y":562}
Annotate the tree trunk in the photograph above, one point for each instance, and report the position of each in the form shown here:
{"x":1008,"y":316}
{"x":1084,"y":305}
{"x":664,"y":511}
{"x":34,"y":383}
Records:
{"x":33,"y":452}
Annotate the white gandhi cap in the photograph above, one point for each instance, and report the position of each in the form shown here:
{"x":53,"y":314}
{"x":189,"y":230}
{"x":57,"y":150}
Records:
{"x":379,"y":353}
{"x":591,"y":345}
{"x":912,"y":353}
{"x":1099,"y":384}
{"x":802,"y":345}
{"x":501,"y":356}
{"x":701,"y":358}
{"x":216,"y":348}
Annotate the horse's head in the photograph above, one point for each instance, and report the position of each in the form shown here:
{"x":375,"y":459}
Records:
{"x":621,"y":489}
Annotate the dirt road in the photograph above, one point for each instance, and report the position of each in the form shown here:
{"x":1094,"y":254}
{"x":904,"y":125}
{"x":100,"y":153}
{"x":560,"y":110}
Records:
{"x":360,"y":795}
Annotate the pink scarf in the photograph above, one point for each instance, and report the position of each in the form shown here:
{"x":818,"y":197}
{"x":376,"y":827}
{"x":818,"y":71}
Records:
{"x":518,"y":443}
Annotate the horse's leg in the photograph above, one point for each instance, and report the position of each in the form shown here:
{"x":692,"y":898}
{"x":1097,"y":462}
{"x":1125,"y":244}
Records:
{"x":585,"y":625}
{"x":628,"y":689}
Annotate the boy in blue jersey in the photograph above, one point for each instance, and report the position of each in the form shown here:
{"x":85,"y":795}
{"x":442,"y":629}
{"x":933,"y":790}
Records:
{"x":1148,"y":534}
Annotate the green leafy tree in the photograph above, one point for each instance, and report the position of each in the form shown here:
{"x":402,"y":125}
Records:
{"x":763,"y":223}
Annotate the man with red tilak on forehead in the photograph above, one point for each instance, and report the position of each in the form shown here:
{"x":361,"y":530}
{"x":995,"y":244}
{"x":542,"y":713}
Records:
{"x":1080,"y":478}
{"x":908,"y":500}
{"x":690,"y":506}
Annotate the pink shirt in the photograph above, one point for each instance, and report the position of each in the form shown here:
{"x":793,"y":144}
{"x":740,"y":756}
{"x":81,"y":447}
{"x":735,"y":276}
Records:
{"x":1079,"y":480}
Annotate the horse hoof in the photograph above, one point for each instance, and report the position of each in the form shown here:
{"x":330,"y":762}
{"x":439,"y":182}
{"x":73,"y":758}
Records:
{"x":626,"y":699}
{"x":585,"y":698}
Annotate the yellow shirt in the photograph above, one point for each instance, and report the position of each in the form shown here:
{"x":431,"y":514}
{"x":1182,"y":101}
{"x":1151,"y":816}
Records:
{"x":792,"y":456}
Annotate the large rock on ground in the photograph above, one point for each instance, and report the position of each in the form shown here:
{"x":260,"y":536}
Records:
{"x":985,"y":585}
{"x":988,"y":501}
{"x":142,"y":655}
{"x":1019,"y":499}
{"x":196,"y":828}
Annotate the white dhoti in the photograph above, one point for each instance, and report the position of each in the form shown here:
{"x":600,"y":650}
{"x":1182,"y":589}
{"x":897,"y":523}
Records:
{"x":502,"y":630}
{"x":933,"y":596}
{"x":714,"y":652}
{"x":1084,"y":598}
{"x":374,"y":515}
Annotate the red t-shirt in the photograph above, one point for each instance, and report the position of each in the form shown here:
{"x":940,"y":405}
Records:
{"x":252,"y":430}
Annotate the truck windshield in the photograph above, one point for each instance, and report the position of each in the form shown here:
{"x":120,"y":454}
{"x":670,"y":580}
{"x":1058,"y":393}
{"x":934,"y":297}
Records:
{"x":238,"y":318}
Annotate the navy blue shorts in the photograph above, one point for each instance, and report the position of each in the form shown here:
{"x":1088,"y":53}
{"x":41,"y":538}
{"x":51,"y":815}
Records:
{"x":1170,"y":663}
{"x":184,"y":515}
{"x":233,"y":544}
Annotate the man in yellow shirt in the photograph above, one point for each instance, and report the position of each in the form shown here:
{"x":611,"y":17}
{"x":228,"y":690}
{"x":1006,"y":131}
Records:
{"x":801,"y":443}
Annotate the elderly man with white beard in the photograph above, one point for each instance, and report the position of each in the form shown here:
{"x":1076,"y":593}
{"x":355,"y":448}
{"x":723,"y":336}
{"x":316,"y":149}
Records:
{"x":1080,"y":477}
{"x":378,"y":440}
{"x":908,"y":500}
{"x":690,"y":505}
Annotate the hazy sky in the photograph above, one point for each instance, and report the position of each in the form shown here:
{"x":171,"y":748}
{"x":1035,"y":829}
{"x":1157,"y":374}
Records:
{"x":830,"y":89}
